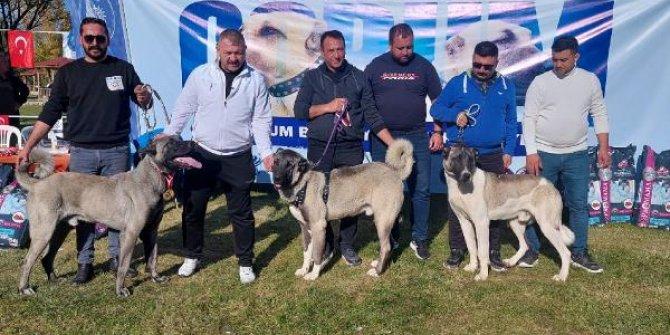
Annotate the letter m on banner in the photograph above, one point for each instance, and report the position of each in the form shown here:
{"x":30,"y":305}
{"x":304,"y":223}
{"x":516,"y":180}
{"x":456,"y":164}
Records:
{"x":21,"y":48}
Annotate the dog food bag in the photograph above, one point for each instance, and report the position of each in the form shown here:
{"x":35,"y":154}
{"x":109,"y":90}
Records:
{"x":654,"y":195}
{"x":594,"y":197}
{"x":622,"y":185}
{"x":13,"y":217}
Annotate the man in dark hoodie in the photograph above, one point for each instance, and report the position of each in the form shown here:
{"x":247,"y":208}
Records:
{"x":331,"y":88}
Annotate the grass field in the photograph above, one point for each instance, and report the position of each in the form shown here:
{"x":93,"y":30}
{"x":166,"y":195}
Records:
{"x":412,"y":297}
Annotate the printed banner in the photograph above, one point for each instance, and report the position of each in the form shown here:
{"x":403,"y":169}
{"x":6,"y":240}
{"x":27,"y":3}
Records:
{"x":622,"y":41}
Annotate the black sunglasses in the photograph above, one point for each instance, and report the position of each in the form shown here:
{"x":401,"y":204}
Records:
{"x":100,"y":39}
{"x":487,"y":67}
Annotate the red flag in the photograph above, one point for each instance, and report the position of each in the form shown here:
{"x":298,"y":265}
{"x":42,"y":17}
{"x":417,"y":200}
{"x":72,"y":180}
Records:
{"x":21,"y":48}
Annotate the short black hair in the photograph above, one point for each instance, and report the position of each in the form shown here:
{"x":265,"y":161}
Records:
{"x":332,"y":34}
{"x":400,"y":29}
{"x":486,"y":49}
{"x":565,"y":42}
{"x":234,"y":36}
{"x":95,"y":20}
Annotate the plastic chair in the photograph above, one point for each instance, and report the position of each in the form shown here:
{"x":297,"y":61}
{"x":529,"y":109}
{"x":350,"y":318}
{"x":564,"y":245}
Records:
{"x":6,"y":133}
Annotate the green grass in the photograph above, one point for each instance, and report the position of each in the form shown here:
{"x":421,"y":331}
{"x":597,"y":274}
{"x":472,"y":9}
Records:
{"x":31,"y":110}
{"x":412,"y":297}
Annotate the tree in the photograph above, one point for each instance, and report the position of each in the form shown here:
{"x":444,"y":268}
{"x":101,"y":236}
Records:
{"x":32,"y":14}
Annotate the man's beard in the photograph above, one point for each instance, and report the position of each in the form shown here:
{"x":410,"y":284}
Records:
{"x":401,"y":61}
{"x":102,"y":55}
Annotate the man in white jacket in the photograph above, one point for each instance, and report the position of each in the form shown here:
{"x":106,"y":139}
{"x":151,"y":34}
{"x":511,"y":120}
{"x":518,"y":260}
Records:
{"x":229,"y":104}
{"x":554,"y":130}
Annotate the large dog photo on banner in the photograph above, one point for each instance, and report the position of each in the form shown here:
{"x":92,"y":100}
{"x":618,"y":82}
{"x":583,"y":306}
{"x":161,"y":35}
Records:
{"x":283,"y":43}
{"x":519,"y":58}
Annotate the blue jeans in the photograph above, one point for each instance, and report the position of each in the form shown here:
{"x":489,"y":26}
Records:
{"x":417,"y":183}
{"x":573,"y":171}
{"x":104,"y":162}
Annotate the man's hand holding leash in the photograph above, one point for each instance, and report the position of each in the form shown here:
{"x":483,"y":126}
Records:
{"x":143,"y":95}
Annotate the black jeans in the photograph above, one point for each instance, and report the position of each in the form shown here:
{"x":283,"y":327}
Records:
{"x":490,"y":163}
{"x":236,"y":172}
{"x":338,"y":155}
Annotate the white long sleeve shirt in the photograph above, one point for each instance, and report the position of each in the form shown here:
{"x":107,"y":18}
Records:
{"x":555,"y":116}
{"x":225,"y":125}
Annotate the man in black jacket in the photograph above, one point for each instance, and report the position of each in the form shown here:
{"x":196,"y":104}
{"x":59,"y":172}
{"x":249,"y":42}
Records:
{"x":333,"y":87}
{"x":95,"y":92}
{"x":13,"y":91}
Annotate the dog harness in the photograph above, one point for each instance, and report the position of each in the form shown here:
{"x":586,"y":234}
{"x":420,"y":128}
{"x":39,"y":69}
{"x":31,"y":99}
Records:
{"x":300,"y":196}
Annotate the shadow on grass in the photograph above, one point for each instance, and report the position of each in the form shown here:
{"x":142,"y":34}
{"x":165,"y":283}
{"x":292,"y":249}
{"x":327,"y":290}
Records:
{"x":218,"y":245}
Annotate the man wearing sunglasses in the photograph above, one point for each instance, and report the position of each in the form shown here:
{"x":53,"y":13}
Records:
{"x":558,"y":103}
{"x":478,"y":109}
{"x":95,"y":91}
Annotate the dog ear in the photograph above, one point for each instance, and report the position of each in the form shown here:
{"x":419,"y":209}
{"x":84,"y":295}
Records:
{"x":303,"y":165}
{"x":148,"y":150}
{"x":445,"y":152}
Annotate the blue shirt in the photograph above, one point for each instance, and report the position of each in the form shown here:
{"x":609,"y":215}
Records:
{"x":492,"y":123}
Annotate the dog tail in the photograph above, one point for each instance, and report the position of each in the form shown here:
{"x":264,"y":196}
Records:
{"x":567,"y":235}
{"x":400,"y":156}
{"x":44,"y":168}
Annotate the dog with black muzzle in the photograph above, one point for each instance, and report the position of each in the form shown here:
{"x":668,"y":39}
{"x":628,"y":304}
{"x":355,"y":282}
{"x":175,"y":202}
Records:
{"x":131,"y":202}
{"x":477,"y":197}
{"x":371,"y":188}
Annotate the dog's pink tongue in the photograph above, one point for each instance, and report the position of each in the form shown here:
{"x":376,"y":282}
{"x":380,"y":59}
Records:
{"x":188,"y":162}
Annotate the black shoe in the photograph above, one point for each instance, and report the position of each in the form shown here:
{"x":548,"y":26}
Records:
{"x":495,"y":262}
{"x":84,"y":274}
{"x":351,"y":257}
{"x":113,"y":265}
{"x":529,"y":259}
{"x":395,"y":244}
{"x":583,"y":260}
{"x":420,"y":249}
{"x":455,"y":259}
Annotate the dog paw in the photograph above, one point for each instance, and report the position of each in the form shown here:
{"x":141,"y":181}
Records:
{"x":471,"y":267}
{"x":160,"y":279}
{"x":26,"y":291}
{"x":374,"y":263}
{"x":301,"y":272}
{"x":480,"y":277}
{"x":508,"y":263}
{"x":311,"y":276}
{"x":373,"y":273}
{"x":559,"y":278}
{"x":123,"y":292}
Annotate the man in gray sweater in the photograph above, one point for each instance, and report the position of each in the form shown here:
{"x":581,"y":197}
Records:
{"x":554,"y":130}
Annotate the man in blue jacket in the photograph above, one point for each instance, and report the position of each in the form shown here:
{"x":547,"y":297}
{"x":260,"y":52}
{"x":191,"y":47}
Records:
{"x":331,"y":88}
{"x":478,"y":109}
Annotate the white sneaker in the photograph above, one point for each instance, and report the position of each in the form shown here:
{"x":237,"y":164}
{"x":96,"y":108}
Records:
{"x":189,"y":266}
{"x":247,"y":274}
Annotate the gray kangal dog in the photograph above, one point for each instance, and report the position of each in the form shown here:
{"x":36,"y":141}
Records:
{"x":130,"y":202}
{"x":477,"y":197}
{"x":371,"y":188}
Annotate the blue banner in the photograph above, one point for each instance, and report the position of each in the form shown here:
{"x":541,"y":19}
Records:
{"x":622,"y":41}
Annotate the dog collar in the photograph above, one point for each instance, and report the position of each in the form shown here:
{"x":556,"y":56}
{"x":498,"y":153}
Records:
{"x":300,"y":196}
{"x":287,"y":87}
{"x":168,"y":177}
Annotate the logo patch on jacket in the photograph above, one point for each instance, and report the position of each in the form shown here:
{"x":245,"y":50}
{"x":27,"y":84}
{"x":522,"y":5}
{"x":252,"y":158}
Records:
{"x":115,"y":83}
